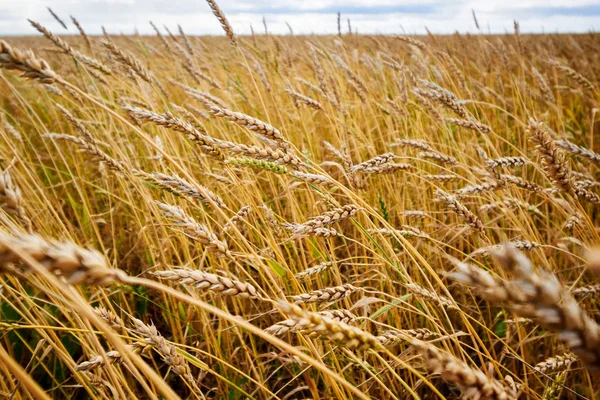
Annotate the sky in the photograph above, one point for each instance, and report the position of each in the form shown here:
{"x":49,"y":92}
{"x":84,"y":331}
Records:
{"x":305,"y":16}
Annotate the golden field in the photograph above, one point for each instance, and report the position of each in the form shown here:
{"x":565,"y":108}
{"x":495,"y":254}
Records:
{"x":299,"y":217}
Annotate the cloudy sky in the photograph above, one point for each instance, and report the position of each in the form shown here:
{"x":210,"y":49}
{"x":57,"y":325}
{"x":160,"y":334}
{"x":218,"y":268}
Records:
{"x":306,"y":16}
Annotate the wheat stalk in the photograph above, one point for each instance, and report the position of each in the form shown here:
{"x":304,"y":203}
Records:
{"x":337,"y":331}
{"x":64,"y":46}
{"x":373,"y":162}
{"x":330,"y":294}
{"x":85,"y":37}
{"x":470,"y":124}
{"x":75,"y":264}
{"x":571,"y":73}
{"x":223,"y":20}
{"x":317,"y":269}
{"x":90,"y":147}
{"x":11,"y":200}
{"x":507,"y":162}
{"x":26,"y":62}
{"x":439,"y":157}
{"x":555,"y":364}
{"x":294,"y":325}
{"x":237,"y":219}
{"x":518,"y":244}
{"x":414,"y":143}
{"x":168,"y":352}
{"x":252,"y":124}
{"x":57,"y":18}
{"x":215,"y":283}
{"x":537,"y":295}
{"x":196,"y":231}
{"x":579,"y":150}
{"x":420,"y":291}
{"x":474,"y":383}
{"x":459,"y":209}
{"x":325,"y":219}
{"x":553,"y":161}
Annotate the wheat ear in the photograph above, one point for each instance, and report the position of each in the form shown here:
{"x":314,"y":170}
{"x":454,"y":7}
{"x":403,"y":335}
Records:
{"x":213,"y":282}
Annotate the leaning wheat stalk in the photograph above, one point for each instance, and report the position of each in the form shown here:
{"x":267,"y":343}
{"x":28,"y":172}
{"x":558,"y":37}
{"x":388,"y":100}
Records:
{"x":298,"y":325}
{"x":237,"y":219}
{"x":555,"y":364}
{"x":579,"y":150}
{"x":85,"y":37}
{"x":330,"y":294}
{"x":90,"y":148}
{"x":474,"y":383}
{"x":26,"y":62}
{"x":324,"y":220}
{"x":64,"y":46}
{"x":300,"y":98}
{"x":374,"y":162}
{"x":223,"y":20}
{"x":11,"y":200}
{"x":537,"y":295}
{"x":213,"y":282}
{"x":440,"y":300}
{"x":250,"y":123}
{"x":392,"y":337}
{"x":337,"y":331}
{"x":471,"y":124}
{"x":75,"y":264}
{"x":170,"y":356}
{"x":212,"y":145}
{"x":193,"y":229}
{"x":317,"y":269}
{"x":459,"y":209}
{"x":553,"y":162}
{"x":571,"y":73}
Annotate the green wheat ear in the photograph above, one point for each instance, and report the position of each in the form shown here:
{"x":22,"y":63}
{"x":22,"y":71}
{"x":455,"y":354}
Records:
{"x":383,"y":208}
{"x":260,"y":164}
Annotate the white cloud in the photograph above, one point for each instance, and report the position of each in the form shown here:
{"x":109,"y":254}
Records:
{"x":305,"y":16}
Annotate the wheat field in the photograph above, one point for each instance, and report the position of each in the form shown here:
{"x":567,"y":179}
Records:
{"x":298,"y":217}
